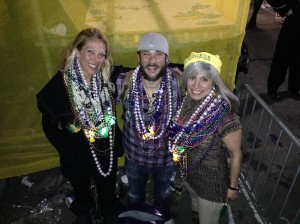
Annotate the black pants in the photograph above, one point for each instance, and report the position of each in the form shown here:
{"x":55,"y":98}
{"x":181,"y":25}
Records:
{"x":286,"y":57}
{"x":256,"y":8}
{"x":81,"y":178}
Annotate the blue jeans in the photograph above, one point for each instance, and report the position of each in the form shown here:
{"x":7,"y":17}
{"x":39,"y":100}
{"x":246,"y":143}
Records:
{"x":137,"y":179}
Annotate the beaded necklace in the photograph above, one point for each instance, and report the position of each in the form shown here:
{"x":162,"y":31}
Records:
{"x":93,"y":111}
{"x":161,"y":114}
{"x":204,"y":122}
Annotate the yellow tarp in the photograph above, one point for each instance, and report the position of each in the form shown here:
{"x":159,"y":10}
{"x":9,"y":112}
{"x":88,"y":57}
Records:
{"x":35,"y":33}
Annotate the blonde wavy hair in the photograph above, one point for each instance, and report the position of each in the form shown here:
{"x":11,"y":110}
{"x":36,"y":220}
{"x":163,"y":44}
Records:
{"x":81,"y":39}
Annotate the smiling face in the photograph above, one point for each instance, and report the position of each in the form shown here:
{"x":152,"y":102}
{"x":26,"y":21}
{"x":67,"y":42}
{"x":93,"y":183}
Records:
{"x":91,"y":57}
{"x":152,"y":63}
{"x":199,"y":86}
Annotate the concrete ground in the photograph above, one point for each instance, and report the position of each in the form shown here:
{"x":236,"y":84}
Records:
{"x":44,"y":202}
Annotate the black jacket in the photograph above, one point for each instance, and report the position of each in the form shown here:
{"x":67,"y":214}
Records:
{"x":74,"y":150}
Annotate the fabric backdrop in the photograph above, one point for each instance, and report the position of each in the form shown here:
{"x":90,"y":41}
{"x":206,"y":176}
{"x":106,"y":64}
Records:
{"x":35,"y":33}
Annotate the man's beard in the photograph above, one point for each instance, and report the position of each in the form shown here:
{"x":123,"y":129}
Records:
{"x":157,"y":77}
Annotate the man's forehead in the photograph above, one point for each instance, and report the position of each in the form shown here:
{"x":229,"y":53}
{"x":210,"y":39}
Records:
{"x":151,"y":51}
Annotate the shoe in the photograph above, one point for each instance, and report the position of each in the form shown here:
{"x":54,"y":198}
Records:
{"x":274,"y":96}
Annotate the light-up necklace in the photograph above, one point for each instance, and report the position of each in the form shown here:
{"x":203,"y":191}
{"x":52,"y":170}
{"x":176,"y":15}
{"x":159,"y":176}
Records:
{"x":203,"y":123}
{"x":162,"y":108}
{"x":93,"y":111}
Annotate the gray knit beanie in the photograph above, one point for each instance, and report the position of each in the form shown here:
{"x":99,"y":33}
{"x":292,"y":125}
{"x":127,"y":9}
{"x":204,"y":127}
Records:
{"x":154,"y":41}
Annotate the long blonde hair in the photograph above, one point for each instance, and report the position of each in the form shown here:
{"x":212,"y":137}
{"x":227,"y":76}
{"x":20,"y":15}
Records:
{"x":81,"y":39}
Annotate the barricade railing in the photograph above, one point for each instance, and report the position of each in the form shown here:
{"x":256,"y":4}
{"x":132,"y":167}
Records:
{"x":271,"y":162}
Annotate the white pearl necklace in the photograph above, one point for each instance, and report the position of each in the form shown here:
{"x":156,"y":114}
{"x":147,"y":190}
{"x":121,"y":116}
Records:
{"x":89,"y":119}
{"x":148,"y":133}
{"x":98,"y":165}
{"x":196,"y":113}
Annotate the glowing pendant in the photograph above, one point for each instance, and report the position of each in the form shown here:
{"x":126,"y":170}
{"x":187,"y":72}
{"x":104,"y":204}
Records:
{"x":175,"y":156}
{"x":109,"y":119}
{"x":180,"y":149}
{"x":177,"y":153}
{"x":149,"y":134}
{"x":151,"y":130}
{"x":104,"y":132}
{"x":112,"y":121}
{"x":90,"y":134}
{"x":146,"y":136}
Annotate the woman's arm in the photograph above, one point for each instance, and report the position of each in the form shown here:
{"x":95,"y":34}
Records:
{"x":233,"y":144}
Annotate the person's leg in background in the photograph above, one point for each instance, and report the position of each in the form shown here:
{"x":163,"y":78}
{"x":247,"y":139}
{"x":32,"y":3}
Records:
{"x":280,"y":61}
{"x":294,"y":78}
{"x":294,"y":69}
{"x":256,"y":8}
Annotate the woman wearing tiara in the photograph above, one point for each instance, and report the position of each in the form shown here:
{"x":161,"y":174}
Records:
{"x":205,"y":134}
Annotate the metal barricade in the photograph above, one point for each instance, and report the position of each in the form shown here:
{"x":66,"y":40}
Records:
{"x":271,"y":162}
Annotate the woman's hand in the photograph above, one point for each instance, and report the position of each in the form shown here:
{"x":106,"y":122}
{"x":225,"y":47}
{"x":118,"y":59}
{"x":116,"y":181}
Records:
{"x":232,"y":194}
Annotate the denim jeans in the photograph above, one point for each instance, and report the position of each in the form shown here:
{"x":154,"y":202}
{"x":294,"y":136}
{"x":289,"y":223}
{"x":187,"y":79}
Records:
{"x":137,"y":179}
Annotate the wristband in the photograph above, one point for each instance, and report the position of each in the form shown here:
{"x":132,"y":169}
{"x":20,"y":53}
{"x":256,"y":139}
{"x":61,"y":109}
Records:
{"x":233,"y":188}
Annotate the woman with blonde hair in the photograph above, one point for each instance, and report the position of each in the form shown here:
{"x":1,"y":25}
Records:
{"x":79,"y":120}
